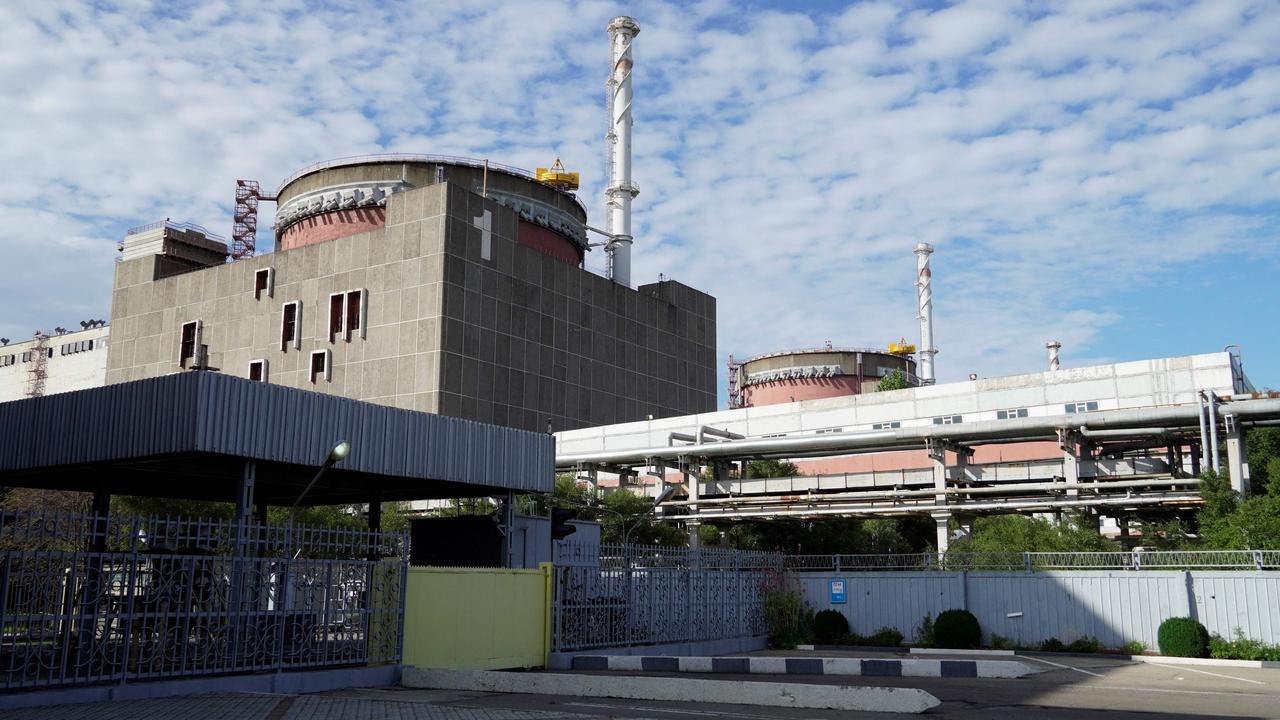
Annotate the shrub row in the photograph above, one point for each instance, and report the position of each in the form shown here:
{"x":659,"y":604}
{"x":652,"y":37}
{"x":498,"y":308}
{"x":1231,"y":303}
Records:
{"x":959,"y":629}
{"x":830,"y":627}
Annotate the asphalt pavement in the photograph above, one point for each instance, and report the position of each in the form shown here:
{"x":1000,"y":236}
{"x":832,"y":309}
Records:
{"x":1070,"y":688}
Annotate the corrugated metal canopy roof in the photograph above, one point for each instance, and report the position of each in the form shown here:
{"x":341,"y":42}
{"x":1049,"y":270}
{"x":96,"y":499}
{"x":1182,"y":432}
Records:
{"x":189,"y":435}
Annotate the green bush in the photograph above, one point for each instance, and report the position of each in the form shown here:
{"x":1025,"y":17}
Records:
{"x":957,"y":629}
{"x":884,"y":637}
{"x":1086,"y":644}
{"x":924,"y":632}
{"x":1135,"y":647}
{"x":1242,"y":648}
{"x":829,"y":627}
{"x":1053,"y":644}
{"x":786,"y":615}
{"x":1183,"y":637}
{"x":1000,"y":642}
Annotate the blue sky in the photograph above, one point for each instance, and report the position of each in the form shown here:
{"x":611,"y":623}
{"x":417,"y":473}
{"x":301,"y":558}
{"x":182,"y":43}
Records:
{"x":1100,"y":173}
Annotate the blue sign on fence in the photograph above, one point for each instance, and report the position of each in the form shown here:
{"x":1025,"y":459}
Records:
{"x":837,"y":592}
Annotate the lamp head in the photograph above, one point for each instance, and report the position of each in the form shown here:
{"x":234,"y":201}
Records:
{"x":664,"y":495}
{"x":338,"y":453}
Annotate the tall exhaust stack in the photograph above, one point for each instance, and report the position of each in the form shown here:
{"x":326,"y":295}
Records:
{"x":924,"y":295}
{"x":1053,"y":346}
{"x":619,"y":194}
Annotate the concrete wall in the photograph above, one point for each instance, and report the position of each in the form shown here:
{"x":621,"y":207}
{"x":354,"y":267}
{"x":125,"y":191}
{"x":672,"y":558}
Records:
{"x":1115,"y":607}
{"x":66,"y":370}
{"x":477,"y":619}
{"x":489,"y":331}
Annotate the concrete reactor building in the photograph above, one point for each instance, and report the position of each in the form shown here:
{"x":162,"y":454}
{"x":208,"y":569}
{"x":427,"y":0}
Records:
{"x":440,"y":284}
{"x":428,"y":284}
{"x":798,"y":375}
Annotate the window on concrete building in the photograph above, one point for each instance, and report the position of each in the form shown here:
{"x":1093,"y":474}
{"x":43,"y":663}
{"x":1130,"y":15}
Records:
{"x":321,"y":366}
{"x":335,"y":315}
{"x":291,"y":326}
{"x":264,"y":283}
{"x":26,"y":356}
{"x":1073,"y":408}
{"x":189,"y":342}
{"x":1011,"y":414}
{"x":887,"y":425}
{"x":948,"y":420}
{"x":258,"y":370}
{"x":829,"y":430}
{"x":6,"y":360}
{"x":357,"y":312}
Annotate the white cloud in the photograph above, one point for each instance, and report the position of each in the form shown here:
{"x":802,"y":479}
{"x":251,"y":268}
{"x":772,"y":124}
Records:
{"x":787,"y":163}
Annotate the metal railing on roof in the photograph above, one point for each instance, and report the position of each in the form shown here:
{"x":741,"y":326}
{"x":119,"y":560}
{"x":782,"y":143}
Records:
{"x":176,"y":226}
{"x":414,"y":157}
{"x":1033,"y":561}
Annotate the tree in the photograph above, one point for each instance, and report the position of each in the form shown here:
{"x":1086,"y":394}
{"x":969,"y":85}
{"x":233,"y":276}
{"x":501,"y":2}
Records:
{"x":772,"y":469}
{"x":1229,"y":523}
{"x":896,"y":380}
{"x":616,"y":512}
{"x":1263,"y":445}
{"x":1016,"y":533}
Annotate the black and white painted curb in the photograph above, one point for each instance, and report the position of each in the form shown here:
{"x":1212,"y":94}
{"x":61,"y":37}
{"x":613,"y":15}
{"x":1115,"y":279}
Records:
{"x":865,"y":667}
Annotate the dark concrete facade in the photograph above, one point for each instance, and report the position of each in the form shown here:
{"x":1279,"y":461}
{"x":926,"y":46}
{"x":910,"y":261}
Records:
{"x":486,"y":330}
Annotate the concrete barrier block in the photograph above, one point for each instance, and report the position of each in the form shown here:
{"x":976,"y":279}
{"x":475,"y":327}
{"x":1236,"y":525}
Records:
{"x":764,"y":694}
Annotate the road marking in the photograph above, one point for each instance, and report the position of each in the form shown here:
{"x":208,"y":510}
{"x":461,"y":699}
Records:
{"x":1229,"y":677}
{"x":674,"y":711}
{"x":1163,"y":690}
{"x":1068,"y":667}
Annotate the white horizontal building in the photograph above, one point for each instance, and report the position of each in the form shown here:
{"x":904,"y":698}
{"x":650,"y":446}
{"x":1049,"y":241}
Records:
{"x":71,"y":361}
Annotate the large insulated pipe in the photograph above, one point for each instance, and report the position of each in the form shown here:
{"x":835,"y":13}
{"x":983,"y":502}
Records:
{"x":620,"y":193}
{"x":924,"y":295}
{"x":1213,"y":432}
{"x":1053,"y":346}
{"x":1204,"y":434}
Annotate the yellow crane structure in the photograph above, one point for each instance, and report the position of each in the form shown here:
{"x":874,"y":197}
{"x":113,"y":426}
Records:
{"x":902,"y":347}
{"x":557,"y":177}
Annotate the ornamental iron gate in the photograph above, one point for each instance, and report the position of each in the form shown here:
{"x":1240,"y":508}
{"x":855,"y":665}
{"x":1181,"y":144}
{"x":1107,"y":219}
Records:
{"x":92,"y":599}
{"x":614,"y":606}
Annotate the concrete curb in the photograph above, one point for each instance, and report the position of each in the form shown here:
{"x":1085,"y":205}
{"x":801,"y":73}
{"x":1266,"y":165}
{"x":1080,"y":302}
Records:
{"x":944,"y":651}
{"x":1210,"y":662}
{"x":866,"y":667}
{"x":274,"y":683}
{"x":765,"y":694}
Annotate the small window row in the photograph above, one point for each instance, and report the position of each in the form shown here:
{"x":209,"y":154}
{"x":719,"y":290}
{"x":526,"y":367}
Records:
{"x":30,"y":355}
{"x":320,"y":368}
{"x":79,"y":347}
{"x":948,"y":420}
{"x":7,"y":360}
{"x":887,"y":425}
{"x":1011,"y":414}
{"x":1073,"y":408}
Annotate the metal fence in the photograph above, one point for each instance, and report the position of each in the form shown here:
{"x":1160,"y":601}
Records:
{"x":88,"y":600}
{"x":639,"y":596}
{"x":1033,"y":561}
{"x":618,"y":555}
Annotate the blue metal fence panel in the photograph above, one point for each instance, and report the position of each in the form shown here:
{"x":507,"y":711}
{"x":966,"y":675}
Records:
{"x":887,"y":599}
{"x":1115,"y":607}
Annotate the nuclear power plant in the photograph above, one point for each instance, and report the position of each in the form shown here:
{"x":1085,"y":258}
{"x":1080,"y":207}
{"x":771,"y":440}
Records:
{"x":458,"y":286}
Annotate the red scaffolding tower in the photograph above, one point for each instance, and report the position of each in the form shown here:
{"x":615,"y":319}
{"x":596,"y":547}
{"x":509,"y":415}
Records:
{"x":244,"y":230}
